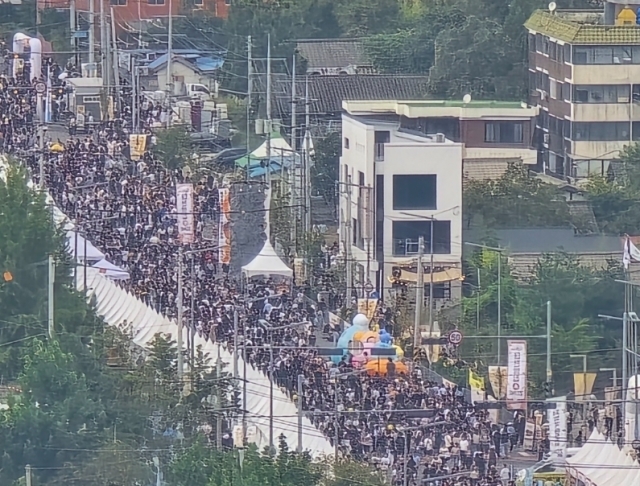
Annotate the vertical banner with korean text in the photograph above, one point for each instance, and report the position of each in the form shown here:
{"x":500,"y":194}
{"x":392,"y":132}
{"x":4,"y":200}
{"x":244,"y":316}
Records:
{"x":557,"y":418}
{"x":224,"y":233}
{"x":184,"y":201}
{"x":517,"y":375}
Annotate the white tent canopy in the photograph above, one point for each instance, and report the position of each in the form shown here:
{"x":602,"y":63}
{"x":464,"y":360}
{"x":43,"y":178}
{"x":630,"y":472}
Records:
{"x":92,"y":253}
{"x":267,"y":262}
{"x":279,"y":147}
{"x":110,"y":270}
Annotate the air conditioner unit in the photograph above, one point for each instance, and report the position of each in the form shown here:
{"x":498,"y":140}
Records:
{"x":544,"y":96}
{"x":546,"y":138}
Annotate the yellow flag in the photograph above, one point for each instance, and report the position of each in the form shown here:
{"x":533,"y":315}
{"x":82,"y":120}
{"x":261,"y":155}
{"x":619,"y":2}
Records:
{"x":476,"y":382}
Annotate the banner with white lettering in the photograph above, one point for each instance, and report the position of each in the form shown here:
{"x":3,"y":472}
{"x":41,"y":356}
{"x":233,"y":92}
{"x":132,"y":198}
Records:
{"x":557,"y":418}
{"x":184,"y":202}
{"x":517,"y":375}
{"x":224,"y":231}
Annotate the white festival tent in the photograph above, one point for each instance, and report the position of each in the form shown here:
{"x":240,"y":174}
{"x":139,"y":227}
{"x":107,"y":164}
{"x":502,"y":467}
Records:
{"x":600,"y":462}
{"x":115,"y":305}
{"x":278,"y":147}
{"x":267,"y":262}
{"x":110,"y":270}
{"x":78,"y":253}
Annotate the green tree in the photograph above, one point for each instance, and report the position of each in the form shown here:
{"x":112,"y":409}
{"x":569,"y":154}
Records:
{"x":348,"y":473}
{"x":516,"y":199}
{"x":202,"y":465}
{"x":476,"y":58}
{"x":174,"y":147}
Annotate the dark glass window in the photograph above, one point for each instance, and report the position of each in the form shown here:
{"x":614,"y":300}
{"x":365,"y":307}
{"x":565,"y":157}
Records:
{"x":414,"y":192}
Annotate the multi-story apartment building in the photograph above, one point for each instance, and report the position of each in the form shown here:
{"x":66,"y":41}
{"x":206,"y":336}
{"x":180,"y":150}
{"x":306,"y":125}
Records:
{"x":401,"y":175}
{"x":584,"y":75}
{"x":398,"y":185}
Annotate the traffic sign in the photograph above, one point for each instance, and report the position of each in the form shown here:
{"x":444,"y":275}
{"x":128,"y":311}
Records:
{"x":41,"y":88}
{"x":455,"y":337}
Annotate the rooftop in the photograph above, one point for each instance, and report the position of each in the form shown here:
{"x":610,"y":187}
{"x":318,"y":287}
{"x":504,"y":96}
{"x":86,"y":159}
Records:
{"x":582,"y":27}
{"x":439,"y":108}
{"x":328,"y":92}
{"x":332,"y":53}
{"x":548,"y":240}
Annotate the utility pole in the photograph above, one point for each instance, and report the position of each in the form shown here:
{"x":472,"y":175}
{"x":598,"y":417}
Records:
{"x":268,"y":127}
{"x":499,"y":308}
{"x":180,"y":326}
{"x":549,"y":371}
{"x":41,"y":153}
{"x":249,"y":94}
{"x":27,"y":474}
{"x":307,"y":162}
{"x":51,"y":295}
{"x":300,"y":392}
{"x":235,"y":345}
{"x":419,"y":296}
{"x":218,"y":403}
{"x":104,"y":48}
{"x":271,"y":395}
{"x":431,"y":278}
{"x":169,"y":63}
{"x":347,"y":243}
{"x":92,"y":32}
{"x":134,"y":97}
{"x":114,"y":64}
{"x":294,"y":104}
{"x":72,"y":26}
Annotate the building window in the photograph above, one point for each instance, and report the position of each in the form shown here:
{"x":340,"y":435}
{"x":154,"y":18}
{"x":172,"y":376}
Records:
{"x":416,"y":191}
{"x":504,"y":132}
{"x":198,"y":3}
{"x":156,"y":2}
{"x":227,"y":2}
{"x":346,"y":142}
{"x":380,"y":138}
{"x":606,"y":55}
{"x":614,"y":93}
{"x":406,"y":236}
{"x":600,"y":131}
{"x":567,"y":53}
{"x":532,"y":43}
{"x":118,"y":3}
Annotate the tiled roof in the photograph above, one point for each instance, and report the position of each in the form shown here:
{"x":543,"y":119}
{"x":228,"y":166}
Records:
{"x":548,"y":240}
{"x":562,"y":28}
{"x":328,"y":92}
{"x":485,"y":169}
{"x":332,"y":53}
{"x":523,"y":265}
{"x":582,"y":216}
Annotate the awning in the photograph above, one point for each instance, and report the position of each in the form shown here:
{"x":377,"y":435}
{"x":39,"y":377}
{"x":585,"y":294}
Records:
{"x":447,"y":275}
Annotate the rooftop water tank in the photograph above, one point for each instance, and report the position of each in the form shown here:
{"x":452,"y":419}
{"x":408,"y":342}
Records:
{"x":626,"y":17}
{"x":612,"y":9}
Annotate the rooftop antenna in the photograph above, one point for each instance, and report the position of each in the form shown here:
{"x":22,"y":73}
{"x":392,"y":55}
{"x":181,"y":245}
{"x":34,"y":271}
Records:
{"x":466,"y":99}
{"x":552,"y":7}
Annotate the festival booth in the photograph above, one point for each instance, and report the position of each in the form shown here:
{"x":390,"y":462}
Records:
{"x":110,"y":270}
{"x":267,"y":263}
{"x":601,"y":462}
{"x":279,"y":156}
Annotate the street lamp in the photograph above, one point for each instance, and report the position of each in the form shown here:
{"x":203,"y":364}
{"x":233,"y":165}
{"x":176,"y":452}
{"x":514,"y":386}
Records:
{"x":420,"y":276}
{"x":499,"y":252}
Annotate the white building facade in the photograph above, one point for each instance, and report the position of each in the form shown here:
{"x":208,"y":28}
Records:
{"x":398,"y":185}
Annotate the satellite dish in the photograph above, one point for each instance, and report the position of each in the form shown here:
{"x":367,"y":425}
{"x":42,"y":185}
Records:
{"x":466,"y":98}
{"x":552,"y":7}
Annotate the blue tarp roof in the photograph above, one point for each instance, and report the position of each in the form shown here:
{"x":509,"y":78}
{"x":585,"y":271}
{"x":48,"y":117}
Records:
{"x":261,"y":171}
{"x":202,"y":63}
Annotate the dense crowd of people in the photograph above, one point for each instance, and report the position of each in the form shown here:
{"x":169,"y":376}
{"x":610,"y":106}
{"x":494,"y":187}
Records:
{"x":415,"y":430}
